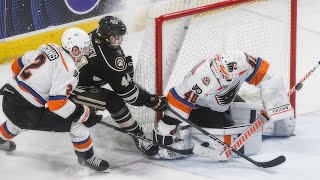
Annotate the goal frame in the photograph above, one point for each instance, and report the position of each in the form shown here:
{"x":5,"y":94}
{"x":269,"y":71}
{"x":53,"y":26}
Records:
{"x":166,"y":17}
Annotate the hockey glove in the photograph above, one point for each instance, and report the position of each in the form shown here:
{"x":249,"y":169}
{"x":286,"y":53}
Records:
{"x":130,"y":66}
{"x":86,"y":115}
{"x":157,"y":103}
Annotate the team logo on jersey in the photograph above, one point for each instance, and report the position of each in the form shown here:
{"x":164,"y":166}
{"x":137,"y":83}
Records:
{"x":206,"y":81}
{"x":197,"y":89}
{"x":120,"y":63}
{"x":227,"y":97}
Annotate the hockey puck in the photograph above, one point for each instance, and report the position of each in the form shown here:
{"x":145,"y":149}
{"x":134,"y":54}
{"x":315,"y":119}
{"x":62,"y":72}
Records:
{"x":205,"y":144}
{"x":298,"y":86}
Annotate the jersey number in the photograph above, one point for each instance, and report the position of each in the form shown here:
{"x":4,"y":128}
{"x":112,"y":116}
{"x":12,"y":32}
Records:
{"x":39,"y":61}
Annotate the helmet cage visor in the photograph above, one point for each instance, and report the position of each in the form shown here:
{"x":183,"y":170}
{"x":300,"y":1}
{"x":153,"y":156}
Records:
{"x":225,"y":76}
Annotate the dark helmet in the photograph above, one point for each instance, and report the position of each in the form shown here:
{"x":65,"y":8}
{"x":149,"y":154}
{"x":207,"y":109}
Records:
{"x":111,"y":26}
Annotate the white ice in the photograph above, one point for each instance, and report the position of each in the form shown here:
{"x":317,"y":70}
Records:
{"x":50,"y":156}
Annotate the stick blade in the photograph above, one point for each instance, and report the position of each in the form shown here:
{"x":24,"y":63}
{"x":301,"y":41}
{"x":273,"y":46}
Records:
{"x":275,"y":162}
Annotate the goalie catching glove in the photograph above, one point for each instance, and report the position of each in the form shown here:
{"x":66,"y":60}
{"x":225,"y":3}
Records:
{"x":157,"y":103}
{"x":86,"y":115}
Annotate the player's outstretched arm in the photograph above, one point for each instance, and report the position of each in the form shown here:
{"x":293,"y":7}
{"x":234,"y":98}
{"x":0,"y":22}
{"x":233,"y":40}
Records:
{"x":157,"y":103}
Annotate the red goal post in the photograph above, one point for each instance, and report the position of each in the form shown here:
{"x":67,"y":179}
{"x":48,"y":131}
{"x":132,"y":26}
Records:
{"x":265,"y":28}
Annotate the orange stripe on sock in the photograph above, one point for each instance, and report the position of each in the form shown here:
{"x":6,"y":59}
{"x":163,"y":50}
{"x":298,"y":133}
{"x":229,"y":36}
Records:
{"x":4,"y":133}
{"x":84,"y":145}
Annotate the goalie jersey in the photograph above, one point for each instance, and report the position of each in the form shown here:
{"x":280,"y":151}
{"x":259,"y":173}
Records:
{"x":46,"y":77}
{"x":201,"y":87}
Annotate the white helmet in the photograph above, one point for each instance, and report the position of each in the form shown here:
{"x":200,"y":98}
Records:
{"x":75,"y":37}
{"x":225,"y":66}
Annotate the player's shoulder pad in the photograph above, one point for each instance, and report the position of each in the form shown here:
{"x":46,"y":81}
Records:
{"x":29,"y":56}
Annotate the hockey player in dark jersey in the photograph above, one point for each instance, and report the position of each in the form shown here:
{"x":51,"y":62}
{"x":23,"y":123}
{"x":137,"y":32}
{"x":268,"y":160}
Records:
{"x":107,"y":64}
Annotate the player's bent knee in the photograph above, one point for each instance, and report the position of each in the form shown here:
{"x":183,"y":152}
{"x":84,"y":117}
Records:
{"x":114,"y":102}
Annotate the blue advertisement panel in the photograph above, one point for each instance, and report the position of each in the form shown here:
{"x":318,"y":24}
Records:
{"x":22,"y":16}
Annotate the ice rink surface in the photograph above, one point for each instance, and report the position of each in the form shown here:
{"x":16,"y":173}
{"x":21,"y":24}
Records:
{"x":50,"y":156}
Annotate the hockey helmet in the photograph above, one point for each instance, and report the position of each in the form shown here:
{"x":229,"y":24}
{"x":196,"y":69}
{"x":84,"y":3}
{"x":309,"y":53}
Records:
{"x":111,"y":26}
{"x":75,"y":37}
{"x":225,"y":67}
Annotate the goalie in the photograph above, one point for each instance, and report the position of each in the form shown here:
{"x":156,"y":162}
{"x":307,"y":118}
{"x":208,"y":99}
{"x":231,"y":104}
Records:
{"x":205,"y":97}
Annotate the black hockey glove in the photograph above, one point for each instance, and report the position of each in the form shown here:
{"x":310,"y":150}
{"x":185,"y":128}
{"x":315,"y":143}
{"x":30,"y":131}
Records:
{"x":157,"y":103}
{"x":130,"y":66}
{"x":86,"y":115}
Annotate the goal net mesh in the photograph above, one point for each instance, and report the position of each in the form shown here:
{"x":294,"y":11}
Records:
{"x":260,"y":28}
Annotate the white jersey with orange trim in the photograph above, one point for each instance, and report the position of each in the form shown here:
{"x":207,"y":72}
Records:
{"x":201,"y":87}
{"x":46,"y":77}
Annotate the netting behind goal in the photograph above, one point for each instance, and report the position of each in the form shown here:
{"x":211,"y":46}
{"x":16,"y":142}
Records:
{"x":181,"y":33}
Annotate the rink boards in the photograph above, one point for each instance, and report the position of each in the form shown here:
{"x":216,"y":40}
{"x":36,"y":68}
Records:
{"x":14,"y":47}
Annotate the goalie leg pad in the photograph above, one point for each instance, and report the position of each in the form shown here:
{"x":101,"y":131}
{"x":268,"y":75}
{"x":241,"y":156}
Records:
{"x":284,"y":127}
{"x":229,"y":136}
{"x":216,"y":155}
{"x":245,"y":113}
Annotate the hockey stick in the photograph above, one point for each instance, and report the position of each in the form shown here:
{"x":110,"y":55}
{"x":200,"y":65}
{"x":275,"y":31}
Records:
{"x":299,"y":85}
{"x":183,"y":152}
{"x":267,"y":164}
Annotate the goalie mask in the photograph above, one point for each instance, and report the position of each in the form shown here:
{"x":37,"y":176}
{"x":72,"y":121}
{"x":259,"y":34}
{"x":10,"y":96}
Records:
{"x":111,"y":26}
{"x":76,"y":42}
{"x":225,"y":68}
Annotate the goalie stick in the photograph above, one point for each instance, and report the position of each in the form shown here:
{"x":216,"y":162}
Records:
{"x":299,"y":85}
{"x":267,"y":164}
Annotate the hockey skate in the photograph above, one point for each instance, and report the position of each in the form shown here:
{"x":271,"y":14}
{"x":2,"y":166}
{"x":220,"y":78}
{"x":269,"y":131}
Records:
{"x":94,"y":162}
{"x":7,"y":145}
{"x":144,"y":145}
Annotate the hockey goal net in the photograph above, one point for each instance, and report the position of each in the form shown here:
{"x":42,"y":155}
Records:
{"x":181,"y":33}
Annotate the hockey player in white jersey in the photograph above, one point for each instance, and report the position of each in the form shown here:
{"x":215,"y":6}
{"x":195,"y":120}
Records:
{"x":37,"y":97}
{"x":206,"y":94}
